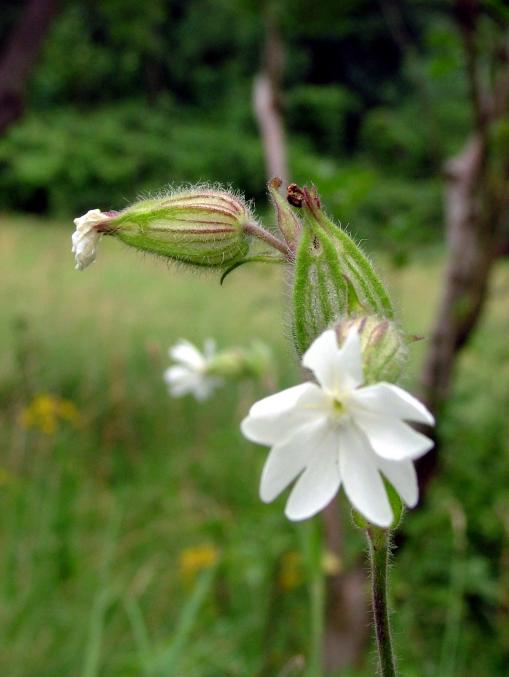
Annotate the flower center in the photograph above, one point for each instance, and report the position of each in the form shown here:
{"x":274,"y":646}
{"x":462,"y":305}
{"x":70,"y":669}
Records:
{"x":338,"y":410}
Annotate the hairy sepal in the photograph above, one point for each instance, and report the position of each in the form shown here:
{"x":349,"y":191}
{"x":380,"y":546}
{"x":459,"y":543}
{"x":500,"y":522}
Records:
{"x":202,"y":227}
{"x":333,"y":278}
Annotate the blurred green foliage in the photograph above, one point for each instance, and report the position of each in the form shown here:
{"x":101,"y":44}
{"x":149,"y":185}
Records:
{"x":128,"y":98}
{"x":109,"y":155}
{"x":105,"y":517}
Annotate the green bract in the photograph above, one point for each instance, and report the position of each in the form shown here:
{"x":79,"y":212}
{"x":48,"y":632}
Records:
{"x":333,"y":279}
{"x":383,"y":346}
{"x":200,"y":226}
{"x":241,"y":363}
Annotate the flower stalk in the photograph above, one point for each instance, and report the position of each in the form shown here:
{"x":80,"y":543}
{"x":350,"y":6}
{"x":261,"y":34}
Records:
{"x":259,"y":232}
{"x":379,"y":542}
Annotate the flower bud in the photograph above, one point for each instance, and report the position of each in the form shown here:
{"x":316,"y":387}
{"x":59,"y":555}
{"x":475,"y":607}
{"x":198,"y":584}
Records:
{"x":383,"y":346}
{"x":333,"y":278}
{"x":200,"y":226}
{"x":287,"y":220}
{"x":253,"y":361}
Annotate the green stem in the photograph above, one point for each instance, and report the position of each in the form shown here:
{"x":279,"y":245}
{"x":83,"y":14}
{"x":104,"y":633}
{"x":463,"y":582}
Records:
{"x":258,"y":231}
{"x":379,"y":547}
{"x":312,"y":546}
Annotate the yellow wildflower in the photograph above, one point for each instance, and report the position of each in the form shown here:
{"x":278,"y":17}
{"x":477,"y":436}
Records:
{"x":196,"y":559}
{"x":46,"y":411}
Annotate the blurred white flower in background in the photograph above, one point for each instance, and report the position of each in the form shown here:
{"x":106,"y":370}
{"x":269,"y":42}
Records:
{"x":190,"y":374}
{"x":86,"y":237}
{"x":338,"y":433}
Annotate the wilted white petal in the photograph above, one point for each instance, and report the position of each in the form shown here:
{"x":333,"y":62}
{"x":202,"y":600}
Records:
{"x":402,"y":476}
{"x":85,"y":237}
{"x":188,"y":354}
{"x":361,"y":479}
{"x":390,"y":400}
{"x":391,"y":438}
{"x":319,"y":482}
{"x":287,"y":460}
{"x":275,"y":418}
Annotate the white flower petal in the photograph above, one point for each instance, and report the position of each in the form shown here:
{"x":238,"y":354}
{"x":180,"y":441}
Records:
{"x":176,"y":374}
{"x":204,"y":387}
{"x":181,"y":380}
{"x":348,"y":363}
{"x":183,"y":387}
{"x":390,"y":400}
{"x":361,"y":479}
{"x":336,"y":369}
{"x":391,"y":438}
{"x":180,"y":389}
{"x":320,"y":356}
{"x":402,"y":476}
{"x":319,"y":482}
{"x":287,"y":460}
{"x":277,"y":417}
{"x":339,"y":433}
{"x":187,"y":354}
{"x":194,"y":384}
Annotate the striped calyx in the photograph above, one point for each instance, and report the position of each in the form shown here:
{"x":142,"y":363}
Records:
{"x":333,"y":279}
{"x":201,"y":226}
{"x":384,"y":346}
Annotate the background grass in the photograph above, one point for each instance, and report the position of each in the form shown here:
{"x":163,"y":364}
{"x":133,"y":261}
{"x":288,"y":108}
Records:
{"x":96,"y":516}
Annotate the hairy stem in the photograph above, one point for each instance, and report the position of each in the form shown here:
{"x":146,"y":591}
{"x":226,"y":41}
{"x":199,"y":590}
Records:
{"x":379,"y":546}
{"x":257,"y":231}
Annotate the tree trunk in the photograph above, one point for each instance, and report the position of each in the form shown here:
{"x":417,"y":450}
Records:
{"x":267,"y":104}
{"x":20,"y":55}
{"x":472,"y":252}
{"x":476,"y":202}
{"x":470,"y":258}
{"x":346,"y":632}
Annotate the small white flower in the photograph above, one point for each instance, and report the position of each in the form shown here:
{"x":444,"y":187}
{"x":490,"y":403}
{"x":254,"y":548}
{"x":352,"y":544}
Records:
{"x":86,"y":237}
{"x":339,"y":433}
{"x":190,"y":375}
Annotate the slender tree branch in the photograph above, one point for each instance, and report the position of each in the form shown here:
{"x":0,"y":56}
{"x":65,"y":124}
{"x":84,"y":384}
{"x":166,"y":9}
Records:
{"x":467,"y":15}
{"x":267,"y":101}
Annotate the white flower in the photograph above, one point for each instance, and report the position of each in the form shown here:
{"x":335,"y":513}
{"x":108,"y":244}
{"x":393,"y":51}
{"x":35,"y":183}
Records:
{"x":339,"y":433}
{"x":191,"y":375}
{"x":86,"y":237}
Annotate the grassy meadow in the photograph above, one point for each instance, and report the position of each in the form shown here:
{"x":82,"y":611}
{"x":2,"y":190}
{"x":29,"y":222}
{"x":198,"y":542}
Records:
{"x":132,"y":539}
